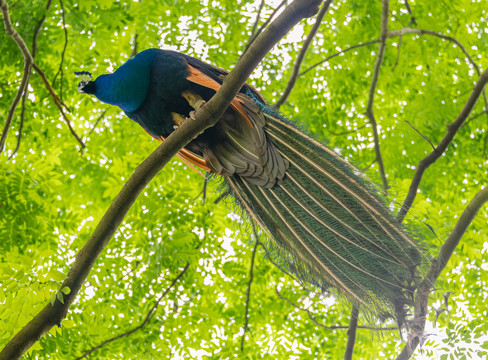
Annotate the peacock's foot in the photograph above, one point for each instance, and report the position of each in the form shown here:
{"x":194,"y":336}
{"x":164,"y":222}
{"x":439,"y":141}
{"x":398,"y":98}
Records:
{"x":197,"y":105}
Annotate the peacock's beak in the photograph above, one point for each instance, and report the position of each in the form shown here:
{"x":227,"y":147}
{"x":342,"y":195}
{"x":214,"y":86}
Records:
{"x":85,"y":79}
{"x":81,"y":86}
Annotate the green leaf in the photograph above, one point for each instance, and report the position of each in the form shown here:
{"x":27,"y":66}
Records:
{"x":65,"y":290}
{"x":59,"y":296}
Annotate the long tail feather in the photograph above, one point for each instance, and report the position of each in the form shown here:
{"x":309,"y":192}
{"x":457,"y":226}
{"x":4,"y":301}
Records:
{"x":328,"y":224}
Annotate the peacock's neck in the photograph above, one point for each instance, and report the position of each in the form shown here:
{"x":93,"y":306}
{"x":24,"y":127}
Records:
{"x":128,"y":86}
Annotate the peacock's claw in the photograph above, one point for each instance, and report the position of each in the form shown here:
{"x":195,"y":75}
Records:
{"x":197,"y":105}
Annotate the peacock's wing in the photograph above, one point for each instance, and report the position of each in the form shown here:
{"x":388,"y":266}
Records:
{"x":246,"y":150}
{"x":239,"y":145}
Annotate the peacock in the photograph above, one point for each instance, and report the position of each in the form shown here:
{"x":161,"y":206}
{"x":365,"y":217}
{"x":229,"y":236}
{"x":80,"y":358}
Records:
{"x":324,"y":221}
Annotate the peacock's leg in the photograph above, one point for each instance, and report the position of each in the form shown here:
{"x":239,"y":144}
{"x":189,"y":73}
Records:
{"x":195,"y":101}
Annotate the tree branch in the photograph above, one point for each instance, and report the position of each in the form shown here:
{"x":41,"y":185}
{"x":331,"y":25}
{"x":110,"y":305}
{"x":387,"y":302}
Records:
{"x":21,"y":125}
{"x":372,"y":90}
{"x":418,"y":132}
{"x":351,"y":333}
{"x":248,"y":293}
{"x":258,"y":17}
{"x":100,"y":117}
{"x":301,"y":55}
{"x":28,"y":63}
{"x":59,"y":103}
{"x":149,"y":316}
{"x":60,"y":70}
{"x":439,"y":150}
{"x":337,"y":54}
{"x":24,"y":96}
{"x":333,"y":327}
{"x":398,"y":54}
{"x":417,"y":325}
{"x":448,"y":38}
{"x":205,"y":117}
{"x":254,"y":34}
{"x":414,"y":186}
{"x":135,"y":46}
{"x":408,"y":30}
{"x":474,"y":117}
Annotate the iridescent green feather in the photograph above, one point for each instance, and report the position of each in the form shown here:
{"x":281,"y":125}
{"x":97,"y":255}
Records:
{"x":328,"y":225}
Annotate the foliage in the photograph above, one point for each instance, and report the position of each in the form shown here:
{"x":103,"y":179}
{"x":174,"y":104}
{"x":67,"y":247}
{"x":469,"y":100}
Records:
{"x":52,"y":194}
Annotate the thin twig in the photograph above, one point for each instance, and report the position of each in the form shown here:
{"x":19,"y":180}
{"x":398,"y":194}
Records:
{"x":415,"y":31}
{"x":418,"y":131}
{"x":347,"y":131}
{"x":21,"y":126}
{"x":149,"y":316}
{"x":258,"y":17}
{"x":485,"y":145}
{"x":204,"y":188}
{"x":368,"y":167}
{"x":448,"y":38}
{"x":24,"y":96}
{"x":398,"y":54}
{"x":351,"y":333}
{"x":262,"y":27}
{"x":372,"y":90}
{"x":60,"y":70}
{"x":134,"y":47}
{"x":59,"y":103}
{"x":28,"y":61}
{"x":412,"y":21}
{"x":417,"y":324}
{"x":248,"y":293}
{"x":102,"y":115}
{"x":439,"y":150}
{"x":396,"y":33}
{"x":474,"y":117}
{"x":332,"y":327}
{"x":407,"y":6}
{"x":342,"y":52}
{"x":301,"y":55}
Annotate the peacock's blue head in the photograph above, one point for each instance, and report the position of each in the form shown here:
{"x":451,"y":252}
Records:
{"x":126,"y":88}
